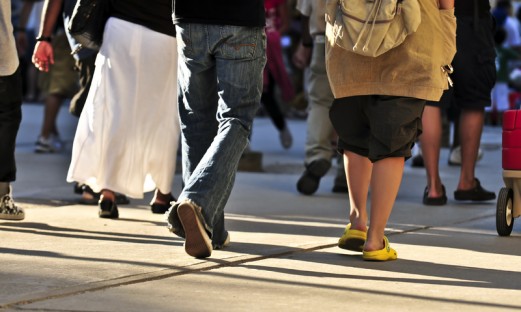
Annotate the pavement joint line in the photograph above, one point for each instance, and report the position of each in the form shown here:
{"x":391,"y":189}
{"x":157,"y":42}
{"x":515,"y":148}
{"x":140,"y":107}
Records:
{"x":428,"y":227}
{"x":474,"y":219}
{"x":201,"y":267}
{"x":207,"y":265}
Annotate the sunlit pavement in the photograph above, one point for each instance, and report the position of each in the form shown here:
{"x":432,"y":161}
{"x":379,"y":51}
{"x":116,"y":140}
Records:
{"x":283,"y":255}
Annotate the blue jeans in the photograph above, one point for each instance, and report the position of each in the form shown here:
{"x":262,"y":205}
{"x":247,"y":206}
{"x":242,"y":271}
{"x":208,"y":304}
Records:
{"x":220,"y":85}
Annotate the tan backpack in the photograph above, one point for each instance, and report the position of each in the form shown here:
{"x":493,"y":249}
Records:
{"x":371,"y":27}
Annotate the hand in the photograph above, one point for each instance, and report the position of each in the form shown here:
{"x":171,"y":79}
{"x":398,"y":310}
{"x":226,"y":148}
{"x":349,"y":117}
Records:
{"x":302,"y":57}
{"x":43,"y":56}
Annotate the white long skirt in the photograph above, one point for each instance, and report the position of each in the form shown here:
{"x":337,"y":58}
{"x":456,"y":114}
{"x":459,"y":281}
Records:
{"x":128,"y":133}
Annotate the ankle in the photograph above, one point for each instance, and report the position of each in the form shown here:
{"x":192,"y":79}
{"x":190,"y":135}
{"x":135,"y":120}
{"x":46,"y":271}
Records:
{"x":467,"y":184}
{"x":4,"y":188}
{"x":161,"y":198}
{"x":107,"y":195}
{"x":356,"y":224}
{"x":372,"y":245}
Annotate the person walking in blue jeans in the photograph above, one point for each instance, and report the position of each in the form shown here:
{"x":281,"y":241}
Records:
{"x":222,"y":53}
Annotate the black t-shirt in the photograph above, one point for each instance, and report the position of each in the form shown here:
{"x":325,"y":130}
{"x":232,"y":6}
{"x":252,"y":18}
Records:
{"x":153,"y":14}
{"x":248,"y":13}
{"x":466,"y":7}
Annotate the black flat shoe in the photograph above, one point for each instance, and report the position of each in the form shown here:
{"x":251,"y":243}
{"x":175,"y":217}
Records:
{"x":478,"y":193}
{"x":89,"y":197}
{"x":108,"y":209}
{"x":162,"y":208}
{"x":78,"y":188}
{"x":434,"y":201}
{"x":310,"y":179}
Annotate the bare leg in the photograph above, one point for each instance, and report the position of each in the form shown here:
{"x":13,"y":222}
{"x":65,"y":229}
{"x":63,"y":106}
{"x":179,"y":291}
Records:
{"x":386,"y":178}
{"x":52,"y":107}
{"x":471,"y":126}
{"x":455,"y":133}
{"x":430,"y":141}
{"x":358,"y":173}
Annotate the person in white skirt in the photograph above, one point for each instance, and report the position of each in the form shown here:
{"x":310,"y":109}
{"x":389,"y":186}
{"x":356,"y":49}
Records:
{"x":128,"y":132}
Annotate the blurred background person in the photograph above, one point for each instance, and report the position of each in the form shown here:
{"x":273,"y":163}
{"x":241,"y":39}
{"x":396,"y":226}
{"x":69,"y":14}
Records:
{"x":275,"y":73}
{"x":311,"y":54}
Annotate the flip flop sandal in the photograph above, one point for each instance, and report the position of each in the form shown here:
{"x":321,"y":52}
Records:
{"x":384,"y":254}
{"x":353,"y":240}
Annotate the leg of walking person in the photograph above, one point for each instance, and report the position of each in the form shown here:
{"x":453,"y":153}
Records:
{"x":220,"y":94}
{"x":471,"y":127}
{"x":319,"y":131}
{"x":430,"y":141}
{"x":386,"y":178}
{"x":358,"y":172}
{"x":10,"y":118}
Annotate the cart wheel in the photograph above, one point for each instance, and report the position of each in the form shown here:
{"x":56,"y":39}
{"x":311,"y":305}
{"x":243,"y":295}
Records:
{"x":504,"y":216}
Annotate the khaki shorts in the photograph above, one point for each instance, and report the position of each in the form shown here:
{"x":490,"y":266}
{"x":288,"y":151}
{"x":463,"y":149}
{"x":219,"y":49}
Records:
{"x":62,"y":78}
{"x":377,"y":126}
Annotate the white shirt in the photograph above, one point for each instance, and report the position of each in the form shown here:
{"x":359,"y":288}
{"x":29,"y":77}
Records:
{"x":316,"y":11}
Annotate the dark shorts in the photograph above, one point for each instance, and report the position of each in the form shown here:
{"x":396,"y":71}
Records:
{"x":474,"y":66}
{"x":377,"y":126}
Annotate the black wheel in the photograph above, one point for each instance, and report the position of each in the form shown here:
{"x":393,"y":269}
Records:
{"x":504,"y":216}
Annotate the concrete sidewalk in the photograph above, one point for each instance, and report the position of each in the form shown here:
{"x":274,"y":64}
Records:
{"x":283,"y":255}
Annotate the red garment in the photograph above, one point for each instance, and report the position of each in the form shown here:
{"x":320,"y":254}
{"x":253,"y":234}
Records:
{"x":275,"y":63}
{"x":269,"y":4}
{"x":276,"y":67}
{"x":272,"y":17}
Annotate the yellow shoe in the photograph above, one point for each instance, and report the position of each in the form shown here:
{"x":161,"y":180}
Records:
{"x":352,"y":239}
{"x":385,"y":254}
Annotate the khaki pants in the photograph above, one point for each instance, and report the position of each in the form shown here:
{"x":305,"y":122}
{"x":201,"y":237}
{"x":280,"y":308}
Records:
{"x":319,"y":128}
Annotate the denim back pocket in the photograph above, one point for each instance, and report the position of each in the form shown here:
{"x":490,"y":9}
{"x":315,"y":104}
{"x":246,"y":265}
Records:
{"x":242,"y":42}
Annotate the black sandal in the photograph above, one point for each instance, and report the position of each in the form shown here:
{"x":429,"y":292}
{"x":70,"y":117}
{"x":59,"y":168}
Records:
{"x":89,"y":197}
{"x":108,"y":209}
{"x":434,"y":201}
{"x":478,"y":193}
{"x":161,"y":208}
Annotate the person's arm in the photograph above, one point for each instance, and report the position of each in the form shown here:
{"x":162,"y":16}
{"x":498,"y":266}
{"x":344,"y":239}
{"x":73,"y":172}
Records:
{"x":20,"y":31}
{"x":446,"y":4}
{"x":43,"y":55}
{"x":302,"y":56}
